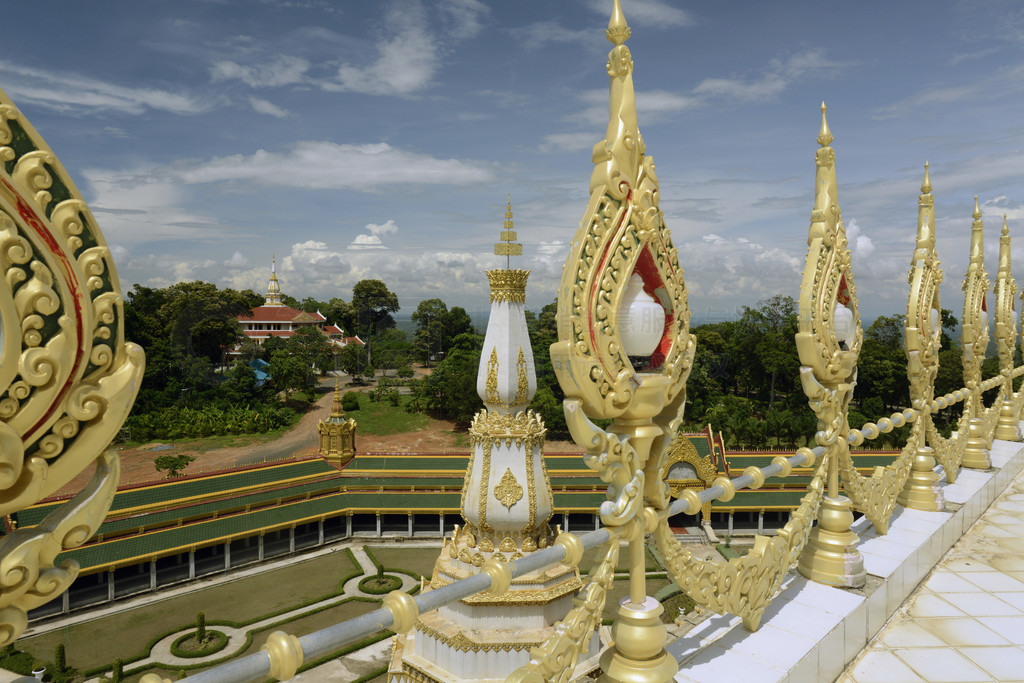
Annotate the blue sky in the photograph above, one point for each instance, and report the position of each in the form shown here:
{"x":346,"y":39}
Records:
{"x":380,"y":139}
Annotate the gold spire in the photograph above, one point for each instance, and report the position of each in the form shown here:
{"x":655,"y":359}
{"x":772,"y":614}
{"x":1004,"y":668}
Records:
{"x":273,"y":297}
{"x":825,"y":135}
{"x":925,"y":218}
{"x":1004,"y":250}
{"x":977,"y":238}
{"x":618,"y":30}
{"x":336,"y":409}
{"x":508,"y":246}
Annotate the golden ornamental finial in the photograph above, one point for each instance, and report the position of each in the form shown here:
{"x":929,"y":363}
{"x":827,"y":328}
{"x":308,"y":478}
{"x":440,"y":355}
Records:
{"x":508,"y":247}
{"x":1006,"y":228}
{"x":926,"y":186}
{"x":977,"y":212}
{"x":336,"y":408}
{"x":825,"y":136}
{"x":618,"y":30}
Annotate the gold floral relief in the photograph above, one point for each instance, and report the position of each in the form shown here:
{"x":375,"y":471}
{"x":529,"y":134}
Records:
{"x":508,"y":491}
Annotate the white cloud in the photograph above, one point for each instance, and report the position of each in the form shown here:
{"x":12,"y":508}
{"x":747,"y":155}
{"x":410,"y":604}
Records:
{"x":311,"y":257}
{"x":237,"y":260}
{"x":75,"y":93}
{"x":1003,"y":206}
{"x":283,"y":70}
{"x":568,"y":142}
{"x":464,"y":17}
{"x":406,"y":62}
{"x":265,"y":107}
{"x":652,"y":13}
{"x":327,"y":165}
{"x":372,"y":240}
{"x":540,"y":33}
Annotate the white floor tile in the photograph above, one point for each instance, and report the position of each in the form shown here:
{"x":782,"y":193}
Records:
{"x":1003,"y":663}
{"x":882,"y":666}
{"x":942,"y":665}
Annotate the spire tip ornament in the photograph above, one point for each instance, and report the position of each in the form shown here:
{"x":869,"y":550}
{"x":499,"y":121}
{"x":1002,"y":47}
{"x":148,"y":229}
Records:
{"x":926,"y":186}
{"x":825,"y":135}
{"x":618,"y":30}
{"x":977,"y":211}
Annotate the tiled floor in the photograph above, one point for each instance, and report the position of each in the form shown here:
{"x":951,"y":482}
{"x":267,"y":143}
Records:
{"x":966,"y":621}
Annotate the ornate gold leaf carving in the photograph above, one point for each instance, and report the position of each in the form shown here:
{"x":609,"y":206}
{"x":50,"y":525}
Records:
{"x":508,"y":492}
{"x":508,"y":285}
{"x":67,"y":377}
{"x":491,"y":385}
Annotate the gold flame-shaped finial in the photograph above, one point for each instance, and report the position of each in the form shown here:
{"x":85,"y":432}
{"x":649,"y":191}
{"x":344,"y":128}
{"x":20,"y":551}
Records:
{"x":618,"y":30}
{"x":977,"y":258}
{"x":1004,"y":250}
{"x":825,"y":136}
{"x":1006,"y":228}
{"x":925,"y":218}
{"x":508,"y":246}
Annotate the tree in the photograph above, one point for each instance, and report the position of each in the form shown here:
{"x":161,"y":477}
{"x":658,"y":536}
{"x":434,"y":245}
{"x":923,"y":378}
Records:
{"x":172,"y":464}
{"x":290,"y":372}
{"x":310,"y":344}
{"x":429,"y":317}
{"x":392,"y":350}
{"x":374,"y":303}
{"x":773,"y":325}
{"x":352,"y":359}
{"x":452,"y":385}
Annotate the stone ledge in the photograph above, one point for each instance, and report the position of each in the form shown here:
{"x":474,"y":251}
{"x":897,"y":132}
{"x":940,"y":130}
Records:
{"x":811,"y":632}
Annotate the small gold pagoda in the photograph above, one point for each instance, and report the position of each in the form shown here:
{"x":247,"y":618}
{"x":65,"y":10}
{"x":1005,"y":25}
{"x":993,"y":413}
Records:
{"x":337,"y":435}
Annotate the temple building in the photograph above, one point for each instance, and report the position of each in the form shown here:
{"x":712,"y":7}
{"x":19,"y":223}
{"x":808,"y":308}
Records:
{"x":275,"y":319}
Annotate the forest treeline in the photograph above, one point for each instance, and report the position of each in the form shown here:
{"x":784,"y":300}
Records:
{"x":744,"y":382}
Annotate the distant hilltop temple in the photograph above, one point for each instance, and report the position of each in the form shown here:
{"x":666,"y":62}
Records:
{"x":274,"y":319}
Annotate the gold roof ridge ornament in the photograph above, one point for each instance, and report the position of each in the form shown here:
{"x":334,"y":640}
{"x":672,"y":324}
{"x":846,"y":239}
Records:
{"x":68,"y":378}
{"x":974,"y":338}
{"x":508,"y":246}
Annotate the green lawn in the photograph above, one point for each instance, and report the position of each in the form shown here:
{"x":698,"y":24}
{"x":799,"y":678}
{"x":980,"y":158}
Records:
{"x":128,"y":634}
{"x":419,"y":560}
{"x":380,"y":418}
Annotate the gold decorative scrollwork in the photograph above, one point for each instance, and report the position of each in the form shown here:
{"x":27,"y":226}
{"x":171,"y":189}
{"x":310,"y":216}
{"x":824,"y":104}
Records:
{"x":491,"y":385}
{"x":746,"y":585}
{"x":67,"y":377}
{"x":554,"y":660}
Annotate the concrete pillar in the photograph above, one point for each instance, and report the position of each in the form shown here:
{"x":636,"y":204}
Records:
{"x":760,"y":521}
{"x":597,"y":522}
{"x":348,"y":526}
{"x":227,"y":556}
{"x":730,"y":524}
{"x":260,"y":556}
{"x":291,"y":540}
{"x":110,"y":585}
{"x":440,"y":524}
{"x":152,"y":575}
{"x":378,"y":526}
{"x":191,"y":564}
{"x":320,"y":531}
{"x":65,"y":600}
{"x":410,"y":525}
{"x":565,"y":521}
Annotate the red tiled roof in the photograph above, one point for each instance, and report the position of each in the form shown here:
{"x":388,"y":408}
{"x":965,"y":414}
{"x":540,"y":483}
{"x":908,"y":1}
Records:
{"x":278,"y":314}
{"x":333,"y":329}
